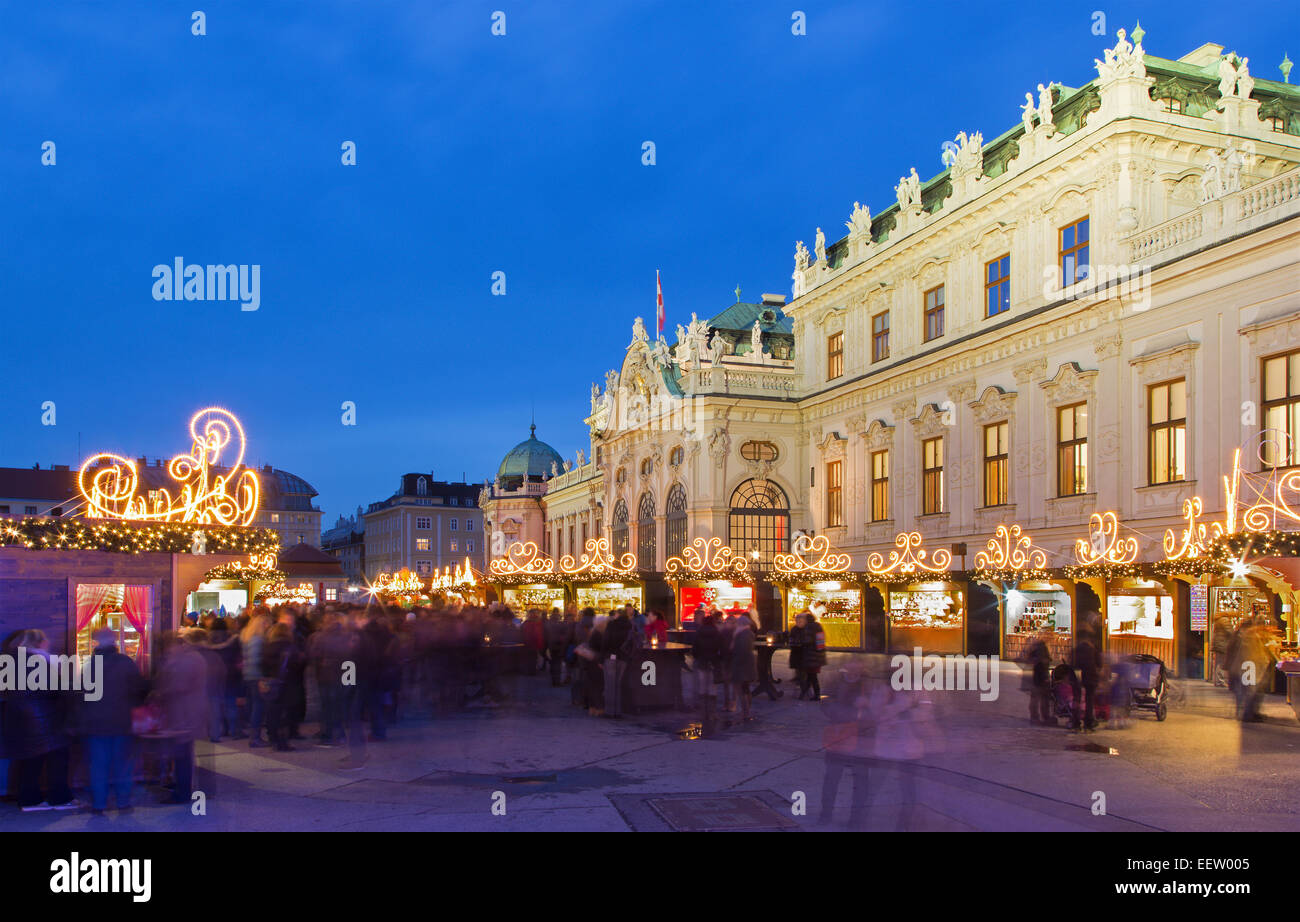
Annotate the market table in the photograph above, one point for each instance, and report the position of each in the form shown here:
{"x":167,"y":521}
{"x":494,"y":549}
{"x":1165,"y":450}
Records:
{"x":670,"y":662}
{"x":1291,"y":669}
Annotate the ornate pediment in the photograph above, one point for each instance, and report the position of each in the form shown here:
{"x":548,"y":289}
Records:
{"x":932,"y":420}
{"x":833,"y":446}
{"x":879,"y":435}
{"x":994,"y":404}
{"x":995,"y":242}
{"x":1163,"y":364}
{"x":1070,"y":384}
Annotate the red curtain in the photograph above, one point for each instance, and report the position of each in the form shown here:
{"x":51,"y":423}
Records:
{"x":137,"y":606}
{"x":90,"y":598}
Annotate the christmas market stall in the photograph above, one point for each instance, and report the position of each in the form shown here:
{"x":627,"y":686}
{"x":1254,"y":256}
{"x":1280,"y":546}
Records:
{"x":525,"y":580}
{"x":925,"y":605}
{"x":403,"y":589}
{"x":815,"y":578}
{"x":709,"y":573}
{"x":1032,"y":603}
{"x":128,"y":560}
{"x":463,"y":586}
{"x":598,"y":581}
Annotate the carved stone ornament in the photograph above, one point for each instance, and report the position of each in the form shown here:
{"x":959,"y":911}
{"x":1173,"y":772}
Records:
{"x":1030,"y":371}
{"x":719,"y":445}
{"x":962,"y":391}
{"x":1164,"y":364}
{"x":904,"y":409}
{"x":1124,"y":60}
{"x":932,"y":421}
{"x":833,"y":446}
{"x":1108,"y":346}
{"x":879,"y":435}
{"x":856,"y":424}
{"x":994,"y":404}
{"x":1071,"y":384}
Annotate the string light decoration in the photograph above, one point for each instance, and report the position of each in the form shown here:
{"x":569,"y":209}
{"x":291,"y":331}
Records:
{"x":597,"y":562}
{"x":1011,"y":556}
{"x":706,"y":559}
{"x":463,"y":578}
{"x":909,"y":561}
{"x":1104,"y":554}
{"x":126,"y":537}
{"x":109,"y":482}
{"x":262,"y":567}
{"x":521,"y":565}
{"x":278,"y":593}
{"x":796,"y":566}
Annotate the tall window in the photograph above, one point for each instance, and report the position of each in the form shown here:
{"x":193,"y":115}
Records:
{"x":451,"y":524}
{"x":834,"y":493}
{"x":759,"y":521}
{"x":934,"y":313}
{"x":1072,"y":450}
{"x":618,"y":530}
{"x":997,"y":286}
{"x":423,"y":544}
{"x":675,"y":520}
{"x":879,"y":486}
{"x":880,"y":337}
{"x":1167,"y":431}
{"x":932,"y":476}
{"x":1074,"y":252}
{"x":995,"y":464}
{"x":645,"y":532}
{"x":1282,"y":410}
{"x":834,"y":355}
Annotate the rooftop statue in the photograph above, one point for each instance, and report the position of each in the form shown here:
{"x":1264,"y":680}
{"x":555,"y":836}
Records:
{"x":859,"y":223}
{"x":908,"y":191}
{"x":800,"y":255}
{"x":1124,"y":60}
{"x":716,"y":347}
{"x":659,"y":352}
{"x":1027,"y":112}
{"x":819,"y":246}
{"x":970,"y":154}
{"x":638,"y":331}
{"x":1045,"y":106}
{"x":582,"y":456}
{"x":756,"y":339}
{"x":595,"y":396}
{"x":1245,"y":82}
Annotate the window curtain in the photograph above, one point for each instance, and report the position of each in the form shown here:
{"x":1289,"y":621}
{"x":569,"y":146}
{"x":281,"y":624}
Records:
{"x":90,"y":598}
{"x":137,"y":605}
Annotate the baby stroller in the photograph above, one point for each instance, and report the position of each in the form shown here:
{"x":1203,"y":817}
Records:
{"x":1063,"y":703}
{"x":1147,"y":682}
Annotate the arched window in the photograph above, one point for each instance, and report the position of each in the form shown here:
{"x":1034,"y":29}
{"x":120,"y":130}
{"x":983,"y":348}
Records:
{"x":647,"y":467}
{"x":645,"y":532}
{"x":618,"y":530}
{"x":422,"y":486}
{"x":675,"y":524}
{"x":760,"y":521}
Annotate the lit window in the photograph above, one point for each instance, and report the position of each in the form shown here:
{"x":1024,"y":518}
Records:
{"x":1282,"y":410}
{"x":423,"y":544}
{"x":834,"y":355}
{"x":1072,"y":449}
{"x":995,"y":464}
{"x":331,"y":595}
{"x":469,"y":546}
{"x":1167,"y":432}
{"x":880,"y":337}
{"x":834,"y":494}
{"x":454,"y":545}
{"x":1074,"y":252}
{"x":879,"y":485}
{"x":934,"y":313}
{"x":932,"y":476}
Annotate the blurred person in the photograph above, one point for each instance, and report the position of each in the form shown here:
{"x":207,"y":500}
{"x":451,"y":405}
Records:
{"x":280,"y":659}
{"x":534,"y":638}
{"x":1038,"y":657}
{"x":656,"y":629}
{"x":1121,"y":696}
{"x":743,"y":665}
{"x":594,"y":675}
{"x":795,"y":639}
{"x":36,"y":725}
{"x":727,"y":630}
{"x":1087,"y":662}
{"x":378,"y":675}
{"x":105,"y":724}
{"x":848,"y":744}
{"x":706,"y":656}
{"x":618,"y":646}
{"x":327,"y":649}
{"x":898,"y":740}
{"x":181,"y":691}
{"x":251,"y":641}
{"x":215,"y":686}
{"x":559,"y":638}
{"x":226,"y":646}
{"x":578,"y":664}
{"x":1222,"y":636}
{"x":814,"y":657}
{"x":1254,"y":656}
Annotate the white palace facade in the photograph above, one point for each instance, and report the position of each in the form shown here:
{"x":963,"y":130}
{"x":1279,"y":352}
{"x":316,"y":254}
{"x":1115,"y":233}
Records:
{"x":1087,"y":313}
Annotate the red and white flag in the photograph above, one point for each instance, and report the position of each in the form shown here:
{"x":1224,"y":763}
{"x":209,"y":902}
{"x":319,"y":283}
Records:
{"x":659,"y":304}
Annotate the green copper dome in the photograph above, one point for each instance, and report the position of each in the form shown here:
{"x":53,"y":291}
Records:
{"x":529,"y":459}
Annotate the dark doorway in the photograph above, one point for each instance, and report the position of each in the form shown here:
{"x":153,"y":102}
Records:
{"x":982,"y":620}
{"x":874,"y":632}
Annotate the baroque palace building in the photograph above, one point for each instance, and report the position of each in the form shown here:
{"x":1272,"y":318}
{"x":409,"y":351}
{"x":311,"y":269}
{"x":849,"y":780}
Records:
{"x":1086,"y":313}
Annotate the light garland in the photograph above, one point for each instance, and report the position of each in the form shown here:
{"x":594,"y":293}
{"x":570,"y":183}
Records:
{"x":109,"y":482}
{"x":706,"y":559}
{"x":910,"y":561}
{"x":522,"y":559}
{"x":126,"y":537}
{"x":260,"y":567}
{"x":1010,"y":556}
{"x":795,"y":566}
{"x":1104,"y":546}
{"x":597,"y":562}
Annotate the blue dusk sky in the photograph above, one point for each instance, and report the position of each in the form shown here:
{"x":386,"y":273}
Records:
{"x":474,"y":154}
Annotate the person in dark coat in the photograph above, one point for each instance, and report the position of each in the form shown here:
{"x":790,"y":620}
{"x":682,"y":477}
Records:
{"x":279,"y":657}
{"x":559,"y":637}
{"x":226,"y":645}
{"x":35,"y":734}
{"x":105,"y":723}
{"x":181,"y":690}
{"x":1039,"y":658}
{"x":744,"y":668}
{"x":795,"y":640}
{"x":706,"y":655}
{"x":1087,"y":662}
{"x":377,"y":675}
{"x":814,"y":657}
{"x":619,"y":633}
